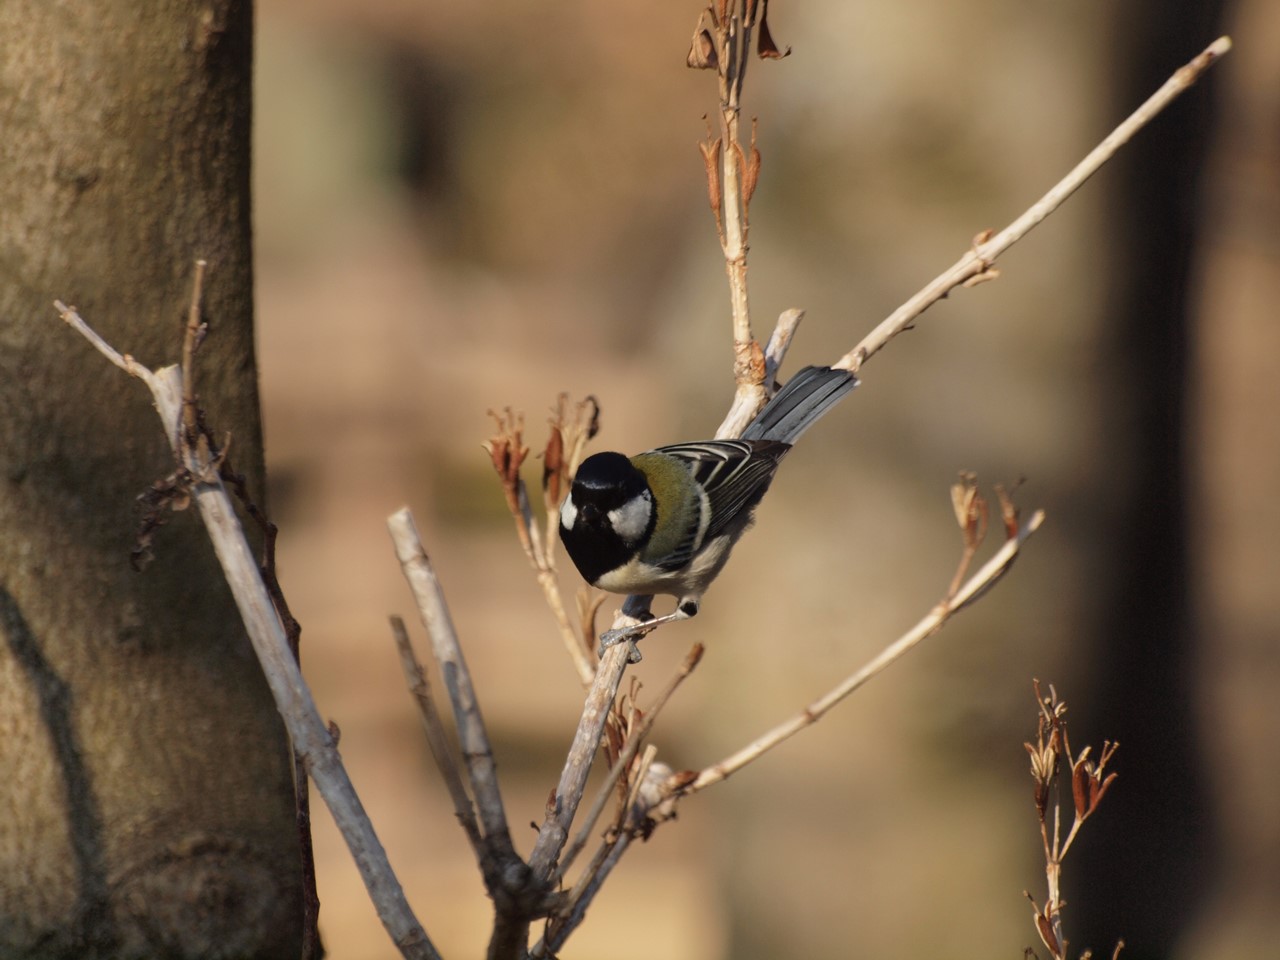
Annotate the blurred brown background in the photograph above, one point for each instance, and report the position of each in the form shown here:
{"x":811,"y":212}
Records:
{"x":464,"y":206}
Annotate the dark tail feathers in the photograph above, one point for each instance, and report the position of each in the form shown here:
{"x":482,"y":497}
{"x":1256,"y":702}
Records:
{"x":800,"y":404}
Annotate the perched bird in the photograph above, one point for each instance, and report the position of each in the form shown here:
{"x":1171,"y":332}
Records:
{"x":665,"y":521}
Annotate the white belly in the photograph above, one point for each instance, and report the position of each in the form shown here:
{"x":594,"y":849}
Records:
{"x":641,"y":578}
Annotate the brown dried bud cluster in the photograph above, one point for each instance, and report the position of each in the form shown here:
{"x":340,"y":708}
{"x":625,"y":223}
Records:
{"x":1089,"y":783}
{"x":707,"y":49}
{"x":971,"y":511}
{"x":553,"y":465}
{"x":507,"y":451}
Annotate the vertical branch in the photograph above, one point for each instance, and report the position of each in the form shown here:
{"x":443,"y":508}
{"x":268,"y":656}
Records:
{"x":722,"y":42}
{"x":570,"y":430}
{"x":190,"y":344}
{"x":635,"y":739}
{"x":736,"y":34}
{"x":1089,"y":783}
{"x":472,"y":734}
{"x":437,"y":740}
{"x":573,"y":778}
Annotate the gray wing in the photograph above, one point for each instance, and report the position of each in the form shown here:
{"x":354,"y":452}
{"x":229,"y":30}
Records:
{"x":734,"y":473}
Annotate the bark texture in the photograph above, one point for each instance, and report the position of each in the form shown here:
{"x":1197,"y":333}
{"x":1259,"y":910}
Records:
{"x":146,"y":807}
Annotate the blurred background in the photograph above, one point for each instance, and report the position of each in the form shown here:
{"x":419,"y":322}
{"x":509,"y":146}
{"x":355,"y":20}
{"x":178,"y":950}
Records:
{"x":470,"y":206}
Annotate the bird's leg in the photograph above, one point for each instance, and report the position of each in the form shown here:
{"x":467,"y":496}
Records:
{"x":637,"y":607}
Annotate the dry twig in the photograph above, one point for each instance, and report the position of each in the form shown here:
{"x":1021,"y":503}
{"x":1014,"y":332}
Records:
{"x":571,"y":428}
{"x":991,"y":571}
{"x":517,"y":894}
{"x":1089,"y":783}
{"x":722,"y":41}
{"x":644,"y":792}
{"x":573,"y":778}
{"x":979,"y":261}
{"x":473,"y":737}
{"x":634,"y":740}
{"x":437,"y":738}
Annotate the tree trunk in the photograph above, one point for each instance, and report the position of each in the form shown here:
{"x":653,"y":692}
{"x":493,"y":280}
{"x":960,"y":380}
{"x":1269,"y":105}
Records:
{"x":146,"y":807}
{"x":1143,"y":866}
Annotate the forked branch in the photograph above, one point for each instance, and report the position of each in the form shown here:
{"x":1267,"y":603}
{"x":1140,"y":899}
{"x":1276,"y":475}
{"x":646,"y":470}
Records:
{"x":308,"y":732}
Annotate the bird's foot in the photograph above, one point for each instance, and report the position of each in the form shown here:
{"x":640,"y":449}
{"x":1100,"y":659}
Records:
{"x":629,"y":636}
{"x":645,"y":623}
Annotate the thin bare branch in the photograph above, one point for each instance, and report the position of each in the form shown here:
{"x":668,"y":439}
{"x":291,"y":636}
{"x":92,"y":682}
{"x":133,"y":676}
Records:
{"x":991,"y":571}
{"x":191,"y":341}
{"x":780,"y":342}
{"x":583,"y":893}
{"x":979,"y":260}
{"x":473,"y":737}
{"x":569,"y":634}
{"x":723,"y":42}
{"x":634,"y":820}
{"x":123,"y":361}
{"x":573,"y":778}
{"x":437,"y":739}
{"x":634,"y":742}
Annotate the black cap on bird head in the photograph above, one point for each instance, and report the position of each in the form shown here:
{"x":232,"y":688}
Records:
{"x":606,"y":481}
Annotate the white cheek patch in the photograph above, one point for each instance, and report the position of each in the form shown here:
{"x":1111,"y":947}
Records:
{"x":631,"y":520}
{"x":568,"y":514}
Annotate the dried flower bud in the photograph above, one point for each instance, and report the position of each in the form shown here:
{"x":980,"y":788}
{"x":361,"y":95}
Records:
{"x":1045,"y":927}
{"x":553,"y":465}
{"x":1088,"y":786}
{"x":711,"y":162}
{"x":970,"y":509}
{"x":702,"y":48}
{"x":680,"y":780}
{"x":593,"y":427}
{"x":1008,"y":509}
{"x":498,"y":450}
{"x":751,"y":168}
{"x":766,"y":49}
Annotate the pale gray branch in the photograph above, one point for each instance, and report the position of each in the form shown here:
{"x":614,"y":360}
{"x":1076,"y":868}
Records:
{"x":629,"y":750}
{"x":473,"y":738}
{"x":573,"y":778}
{"x":437,"y":740}
{"x":775,"y":350}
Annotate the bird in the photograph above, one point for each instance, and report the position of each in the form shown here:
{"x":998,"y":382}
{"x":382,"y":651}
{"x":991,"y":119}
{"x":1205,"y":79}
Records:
{"x":665,"y":521}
